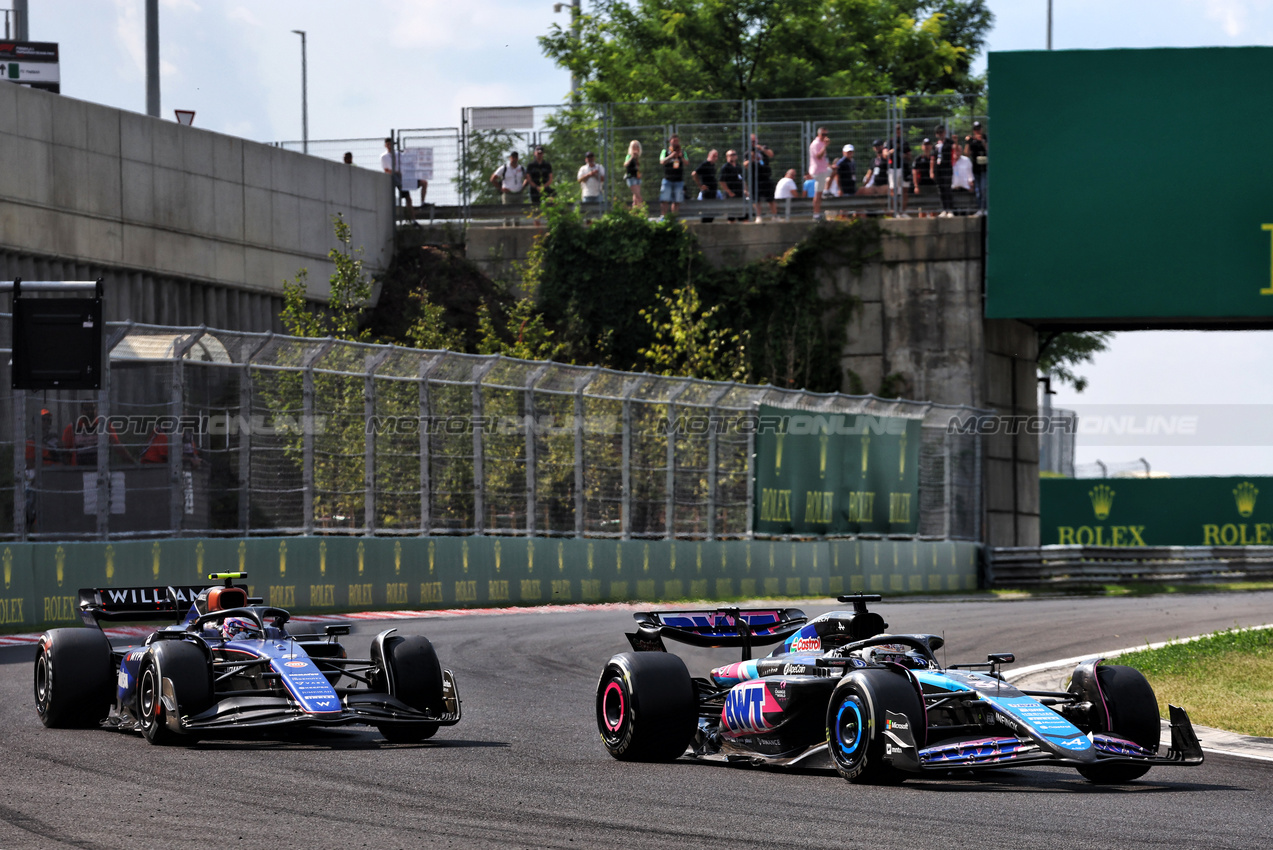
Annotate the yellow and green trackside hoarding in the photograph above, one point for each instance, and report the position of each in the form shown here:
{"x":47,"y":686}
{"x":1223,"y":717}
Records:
{"x":333,"y":574}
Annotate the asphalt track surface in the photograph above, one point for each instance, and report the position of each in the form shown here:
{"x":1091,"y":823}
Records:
{"x":525,"y":766}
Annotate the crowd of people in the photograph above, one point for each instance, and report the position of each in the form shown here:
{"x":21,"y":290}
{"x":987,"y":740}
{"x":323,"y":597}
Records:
{"x":77,"y":443}
{"x":940,"y":164}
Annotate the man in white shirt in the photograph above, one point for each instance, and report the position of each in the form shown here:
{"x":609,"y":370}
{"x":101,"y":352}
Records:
{"x":786,"y":187}
{"x":592,"y":175}
{"x":511,"y":179}
{"x":389,"y":162}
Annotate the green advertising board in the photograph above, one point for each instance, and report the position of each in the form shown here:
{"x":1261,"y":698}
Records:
{"x":329,"y":575}
{"x":1122,"y":191}
{"x":1156,"y":511}
{"x":836,"y":473}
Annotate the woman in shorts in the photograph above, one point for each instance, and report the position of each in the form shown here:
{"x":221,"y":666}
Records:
{"x":632,"y":172}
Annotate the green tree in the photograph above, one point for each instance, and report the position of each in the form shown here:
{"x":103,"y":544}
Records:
{"x":629,"y":50}
{"x":688,"y":345}
{"x":347,"y":298}
{"x":1061,"y":351}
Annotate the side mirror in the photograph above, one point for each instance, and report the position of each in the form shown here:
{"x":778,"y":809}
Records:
{"x":1001,"y":658}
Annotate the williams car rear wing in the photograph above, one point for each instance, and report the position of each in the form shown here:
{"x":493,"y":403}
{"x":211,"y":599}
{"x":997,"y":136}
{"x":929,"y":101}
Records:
{"x":724,"y":627}
{"x":136,"y":603}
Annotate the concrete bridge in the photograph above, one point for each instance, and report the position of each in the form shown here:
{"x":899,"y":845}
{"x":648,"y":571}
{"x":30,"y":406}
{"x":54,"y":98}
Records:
{"x":186,"y":226}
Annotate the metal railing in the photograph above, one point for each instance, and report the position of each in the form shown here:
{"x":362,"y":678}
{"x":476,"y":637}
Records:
{"x":1085,"y":566}
{"x":464,"y":158}
{"x":286,"y":435}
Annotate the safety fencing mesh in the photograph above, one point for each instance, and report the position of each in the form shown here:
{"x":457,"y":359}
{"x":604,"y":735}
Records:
{"x":210,"y":432}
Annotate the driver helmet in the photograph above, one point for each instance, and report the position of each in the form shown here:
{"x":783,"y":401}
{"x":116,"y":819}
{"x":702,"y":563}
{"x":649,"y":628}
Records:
{"x":895,"y":654}
{"x":240,"y":628}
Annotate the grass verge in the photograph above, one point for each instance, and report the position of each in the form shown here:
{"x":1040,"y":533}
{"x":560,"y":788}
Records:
{"x":1224,"y":680}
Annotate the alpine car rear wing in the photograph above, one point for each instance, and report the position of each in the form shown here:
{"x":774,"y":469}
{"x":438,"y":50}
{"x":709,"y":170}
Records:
{"x":724,"y":627}
{"x":136,"y":603}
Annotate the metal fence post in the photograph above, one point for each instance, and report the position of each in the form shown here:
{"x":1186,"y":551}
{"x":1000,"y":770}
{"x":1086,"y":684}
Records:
{"x":308,"y":425}
{"x":103,"y":439}
{"x":426,"y":446}
{"x":479,"y":472}
{"x":581,"y":503}
{"x":751,"y":472}
{"x":625,"y":504}
{"x":669,"y":521}
{"x":369,"y":441}
{"x":713,"y":423}
{"x":532,"y":433}
{"x":946,"y":485}
{"x":245,"y":435}
{"x":19,"y":463}
{"x":177,"y":439}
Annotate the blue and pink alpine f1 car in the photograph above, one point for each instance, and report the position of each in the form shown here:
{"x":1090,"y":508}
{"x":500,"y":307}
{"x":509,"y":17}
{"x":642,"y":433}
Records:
{"x":230,"y":664}
{"x":879,"y":706}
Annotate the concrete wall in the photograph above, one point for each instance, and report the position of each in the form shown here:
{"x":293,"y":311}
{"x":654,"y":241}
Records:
{"x":919,"y":327}
{"x":119,"y":193}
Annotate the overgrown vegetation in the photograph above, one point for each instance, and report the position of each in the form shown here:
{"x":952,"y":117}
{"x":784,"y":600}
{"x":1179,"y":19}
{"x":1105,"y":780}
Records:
{"x":1060,"y":352}
{"x":1223,"y":680}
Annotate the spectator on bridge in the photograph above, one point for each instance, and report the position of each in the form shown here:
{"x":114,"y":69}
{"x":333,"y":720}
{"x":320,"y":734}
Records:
{"x":539,"y":174}
{"x":978,"y":150}
{"x":592,"y":175}
{"x":389,"y":162}
{"x":349,"y":158}
{"x":876,"y":182}
{"x":672,"y":189}
{"x":943,"y":172}
{"x":632,"y":172}
{"x":787,"y":188}
{"x":844,"y":174}
{"x":922,"y":167}
{"x":808,"y":186}
{"x":731,"y":180}
{"x":511,"y":180}
{"x":705,"y":177}
{"x":79,"y":440}
{"x":819,"y":168}
{"x":760,"y":175}
{"x":961,"y":176}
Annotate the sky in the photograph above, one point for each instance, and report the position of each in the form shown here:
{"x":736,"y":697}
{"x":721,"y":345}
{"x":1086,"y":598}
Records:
{"x":377,"y":65}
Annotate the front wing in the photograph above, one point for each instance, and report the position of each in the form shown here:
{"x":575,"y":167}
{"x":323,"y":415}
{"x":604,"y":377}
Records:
{"x":366,"y":707}
{"x":1007,"y":751}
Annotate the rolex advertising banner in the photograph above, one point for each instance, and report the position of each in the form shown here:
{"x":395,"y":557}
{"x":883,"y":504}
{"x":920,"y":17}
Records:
{"x":840,"y":473}
{"x":1157,"y":511}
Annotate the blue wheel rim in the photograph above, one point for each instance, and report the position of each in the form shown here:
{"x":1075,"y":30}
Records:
{"x":848,"y":728}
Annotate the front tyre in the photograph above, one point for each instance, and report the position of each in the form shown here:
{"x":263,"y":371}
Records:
{"x":190,"y":672}
{"x":646,"y":707}
{"x":1131,"y":713}
{"x":409,"y":670}
{"x":856,"y":723}
{"x":74,"y":678}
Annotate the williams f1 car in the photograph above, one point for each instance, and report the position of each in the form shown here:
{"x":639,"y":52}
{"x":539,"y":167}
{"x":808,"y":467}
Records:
{"x":880,"y":706}
{"x":231,"y":664}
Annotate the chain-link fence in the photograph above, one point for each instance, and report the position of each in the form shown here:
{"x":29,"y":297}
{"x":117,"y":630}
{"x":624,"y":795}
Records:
{"x":770,"y":138}
{"x":282,"y":435}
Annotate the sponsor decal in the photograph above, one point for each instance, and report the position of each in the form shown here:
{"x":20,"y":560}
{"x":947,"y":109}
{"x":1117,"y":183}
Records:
{"x":1074,"y":743}
{"x":746,"y":706}
{"x":295,"y":663}
{"x":898,"y":724}
{"x":809,"y":644}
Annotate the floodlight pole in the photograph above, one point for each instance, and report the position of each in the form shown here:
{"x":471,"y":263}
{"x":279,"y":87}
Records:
{"x":1049,"y":24}
{"x":21,"y":32}
{"x":304,"y":96}
{"x":152,"y":58}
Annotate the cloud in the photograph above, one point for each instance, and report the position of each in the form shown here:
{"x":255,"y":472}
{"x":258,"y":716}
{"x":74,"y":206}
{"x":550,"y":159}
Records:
{"x":1231,"y":15}
{"x":243,"y":15}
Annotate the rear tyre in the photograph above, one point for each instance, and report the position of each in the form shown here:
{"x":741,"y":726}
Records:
{"x":856,"y":722}
{"x":646,"y":707}
{"x":190,"y":672}
{"x":74,"y":678}
{"x":1133,"y":714}
{"x":410,"y":671}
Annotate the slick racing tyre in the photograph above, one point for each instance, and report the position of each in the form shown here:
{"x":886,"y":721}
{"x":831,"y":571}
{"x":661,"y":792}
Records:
{"x":190,"y":672}
{"x":74,"y":678}
{"x":410,"y":671}
{"x":1132,"y":714}
{"x":646,"y":707}
{"x":856,"y":723}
